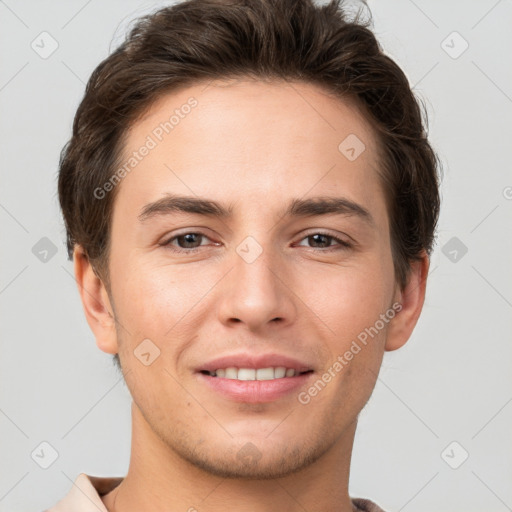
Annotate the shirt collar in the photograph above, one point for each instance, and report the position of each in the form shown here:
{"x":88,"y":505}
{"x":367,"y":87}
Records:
{"x":85,"y":495}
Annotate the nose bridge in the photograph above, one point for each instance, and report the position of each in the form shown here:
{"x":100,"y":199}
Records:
{"x":255,"y":265}
{"x":255,"y":292}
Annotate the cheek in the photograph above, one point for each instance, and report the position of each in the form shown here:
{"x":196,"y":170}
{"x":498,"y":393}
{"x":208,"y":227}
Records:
{"x":351,"y":306}
{"x":349,"y":298}
{"x":152,"y":299}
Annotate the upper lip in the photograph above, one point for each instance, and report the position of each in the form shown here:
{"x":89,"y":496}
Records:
{"x":245,"y":360}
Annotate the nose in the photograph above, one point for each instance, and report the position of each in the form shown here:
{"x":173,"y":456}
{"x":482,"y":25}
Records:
{"x":257,"y":292}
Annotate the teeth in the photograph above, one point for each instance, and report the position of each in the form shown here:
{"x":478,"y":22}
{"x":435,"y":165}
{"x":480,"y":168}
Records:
{"x":279,"y":372}
{"x":246,"y":374}
{"x":231,"y":373}
{"x":265,"y":374}
{"x":254,"y":374}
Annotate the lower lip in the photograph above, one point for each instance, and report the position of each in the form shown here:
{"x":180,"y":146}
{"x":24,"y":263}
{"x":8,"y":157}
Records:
{"x":254,"y":391}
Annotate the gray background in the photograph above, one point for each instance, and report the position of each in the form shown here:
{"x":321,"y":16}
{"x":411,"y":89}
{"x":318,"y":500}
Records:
{"x":451,"y":382}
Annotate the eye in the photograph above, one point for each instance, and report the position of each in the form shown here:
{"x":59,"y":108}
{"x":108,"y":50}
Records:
{"x":190,"y":242}
{"x":187,"y":242}
{"x":322,"y":241}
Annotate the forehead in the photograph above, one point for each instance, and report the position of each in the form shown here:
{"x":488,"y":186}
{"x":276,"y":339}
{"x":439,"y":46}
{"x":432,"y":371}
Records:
{"x":253,"y":141}
{"x":236,"y":107}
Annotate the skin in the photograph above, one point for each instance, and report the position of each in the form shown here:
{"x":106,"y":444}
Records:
{"x":256,"y":146}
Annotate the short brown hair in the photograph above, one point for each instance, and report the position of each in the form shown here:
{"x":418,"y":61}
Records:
{"x":199,"y":40}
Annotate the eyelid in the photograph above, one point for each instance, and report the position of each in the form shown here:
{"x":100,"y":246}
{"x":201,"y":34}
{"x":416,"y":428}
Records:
{"x":341,"y":243}
{"x":319,"y":231}
{"x":168,"y":239}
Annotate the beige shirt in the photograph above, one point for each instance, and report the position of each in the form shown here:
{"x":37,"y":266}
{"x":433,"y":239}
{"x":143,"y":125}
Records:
{"x":85,"y":496}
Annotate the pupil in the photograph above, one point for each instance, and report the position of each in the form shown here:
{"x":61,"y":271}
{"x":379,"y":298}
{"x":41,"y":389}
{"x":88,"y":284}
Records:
{"x":315,"y":238}
{"x":188,"y":239}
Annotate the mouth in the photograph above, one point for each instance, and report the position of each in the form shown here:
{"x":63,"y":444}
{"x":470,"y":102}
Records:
{"x":254,"y":378}
{"x":255,"y":374}
{"x":255,"y":385}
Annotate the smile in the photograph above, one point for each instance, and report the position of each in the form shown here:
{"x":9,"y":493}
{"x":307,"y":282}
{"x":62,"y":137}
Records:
{"x":270,"y":373}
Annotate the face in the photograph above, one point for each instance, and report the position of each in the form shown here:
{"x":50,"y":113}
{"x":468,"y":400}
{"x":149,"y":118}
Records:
{"x":292,"y":274}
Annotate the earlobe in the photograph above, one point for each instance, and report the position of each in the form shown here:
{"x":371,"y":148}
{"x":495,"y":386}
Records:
{"x":411,"y":299}
{"x":96,"y":303}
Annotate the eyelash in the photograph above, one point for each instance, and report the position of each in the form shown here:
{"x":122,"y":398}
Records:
{"x":344,"y":245}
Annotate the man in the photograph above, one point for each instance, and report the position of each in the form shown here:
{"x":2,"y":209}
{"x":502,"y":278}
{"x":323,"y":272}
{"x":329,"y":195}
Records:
{"x":250,"y":201}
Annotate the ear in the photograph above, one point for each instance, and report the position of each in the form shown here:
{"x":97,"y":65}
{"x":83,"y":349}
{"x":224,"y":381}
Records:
{"x":411,"y":299}
{"x":98,"y":310}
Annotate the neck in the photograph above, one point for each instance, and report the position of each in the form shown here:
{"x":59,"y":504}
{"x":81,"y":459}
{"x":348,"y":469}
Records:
{"x":160,"y":479}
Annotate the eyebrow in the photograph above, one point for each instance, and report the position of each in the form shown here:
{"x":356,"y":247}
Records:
{"x":313,"y":206}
